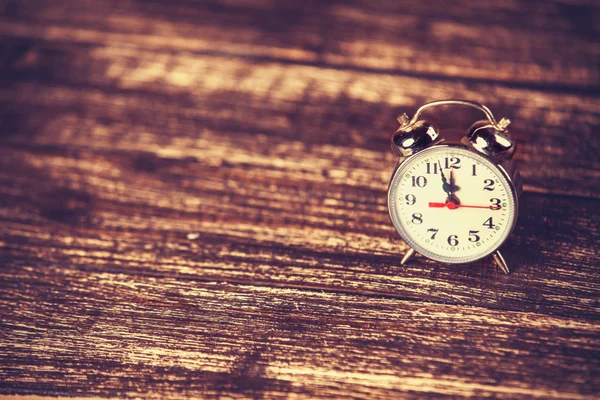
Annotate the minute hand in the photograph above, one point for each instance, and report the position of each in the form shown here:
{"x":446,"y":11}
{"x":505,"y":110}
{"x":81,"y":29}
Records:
{"x":446,"y":187}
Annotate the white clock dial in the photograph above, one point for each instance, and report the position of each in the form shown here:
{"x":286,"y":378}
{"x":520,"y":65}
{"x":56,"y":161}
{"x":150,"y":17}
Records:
{"x":451,"y":204}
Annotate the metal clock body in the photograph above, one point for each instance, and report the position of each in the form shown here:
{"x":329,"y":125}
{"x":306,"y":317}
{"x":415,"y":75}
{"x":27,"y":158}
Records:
{"x":454,"y":202}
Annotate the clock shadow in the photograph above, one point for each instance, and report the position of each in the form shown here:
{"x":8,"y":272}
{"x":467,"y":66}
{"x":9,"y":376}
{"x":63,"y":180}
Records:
{"x":540,"y":227}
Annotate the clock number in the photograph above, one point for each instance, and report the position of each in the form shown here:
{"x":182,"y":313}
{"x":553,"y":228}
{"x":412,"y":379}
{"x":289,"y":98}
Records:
{"x":489,"y":223}
{"x":417,"y":218}
{"x":474,"y":170}
{"x":495,"y":204}
{"x":489,"y":185}
{"x":419,"y":181}
{"x":474,"y":237}
{"x":453,"y":240}
{"x":452,"y":162}
{"x":435,"y":168}
{"x":435,"y":231}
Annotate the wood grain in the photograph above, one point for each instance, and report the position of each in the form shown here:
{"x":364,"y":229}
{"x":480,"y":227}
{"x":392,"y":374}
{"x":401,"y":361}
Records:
{"x":193,"y":200}
{"x":212,"y":223}
{"x":120,"y":93}
{"x":493,"y":42}
{"x":218,"y":339}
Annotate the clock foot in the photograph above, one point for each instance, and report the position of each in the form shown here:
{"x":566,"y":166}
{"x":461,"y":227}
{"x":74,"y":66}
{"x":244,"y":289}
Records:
{"x":407,"y":256}
{"x":500,"y":262}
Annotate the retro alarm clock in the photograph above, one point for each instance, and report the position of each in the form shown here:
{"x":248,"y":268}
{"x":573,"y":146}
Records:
{"x":454,"y":202}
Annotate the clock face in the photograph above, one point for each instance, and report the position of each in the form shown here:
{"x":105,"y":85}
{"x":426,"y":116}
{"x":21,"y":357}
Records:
{"x":451,"y":204}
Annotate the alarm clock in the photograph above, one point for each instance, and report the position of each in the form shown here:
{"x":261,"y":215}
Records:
{"x":454,"y":202}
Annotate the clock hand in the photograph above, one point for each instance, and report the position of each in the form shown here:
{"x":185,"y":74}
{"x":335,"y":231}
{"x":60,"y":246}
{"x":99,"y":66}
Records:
{"x":445,"y":185}
{"x":452,"y":199}
{"x":453,"y":187}
{"x":451,"y":205}
{"x":442,"y":174}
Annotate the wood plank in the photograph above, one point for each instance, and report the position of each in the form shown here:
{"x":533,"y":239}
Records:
{"x":547,"y":43}
{"x":105,"y":210}
{"x":123,"y":93}
{"x":67,"y":330}
{"x":192,"y":200}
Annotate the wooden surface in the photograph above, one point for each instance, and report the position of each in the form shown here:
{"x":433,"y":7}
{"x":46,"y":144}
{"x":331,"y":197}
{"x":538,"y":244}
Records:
{"x":193,"y":200}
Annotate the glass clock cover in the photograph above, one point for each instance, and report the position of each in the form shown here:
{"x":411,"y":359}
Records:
{"x":452,"y":204}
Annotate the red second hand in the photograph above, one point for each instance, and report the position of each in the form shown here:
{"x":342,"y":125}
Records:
{"x":452,"y":206}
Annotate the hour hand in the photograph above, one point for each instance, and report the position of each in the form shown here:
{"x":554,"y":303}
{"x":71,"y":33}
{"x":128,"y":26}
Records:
{"x":453,"y":187}
{"x":448,"y":187}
